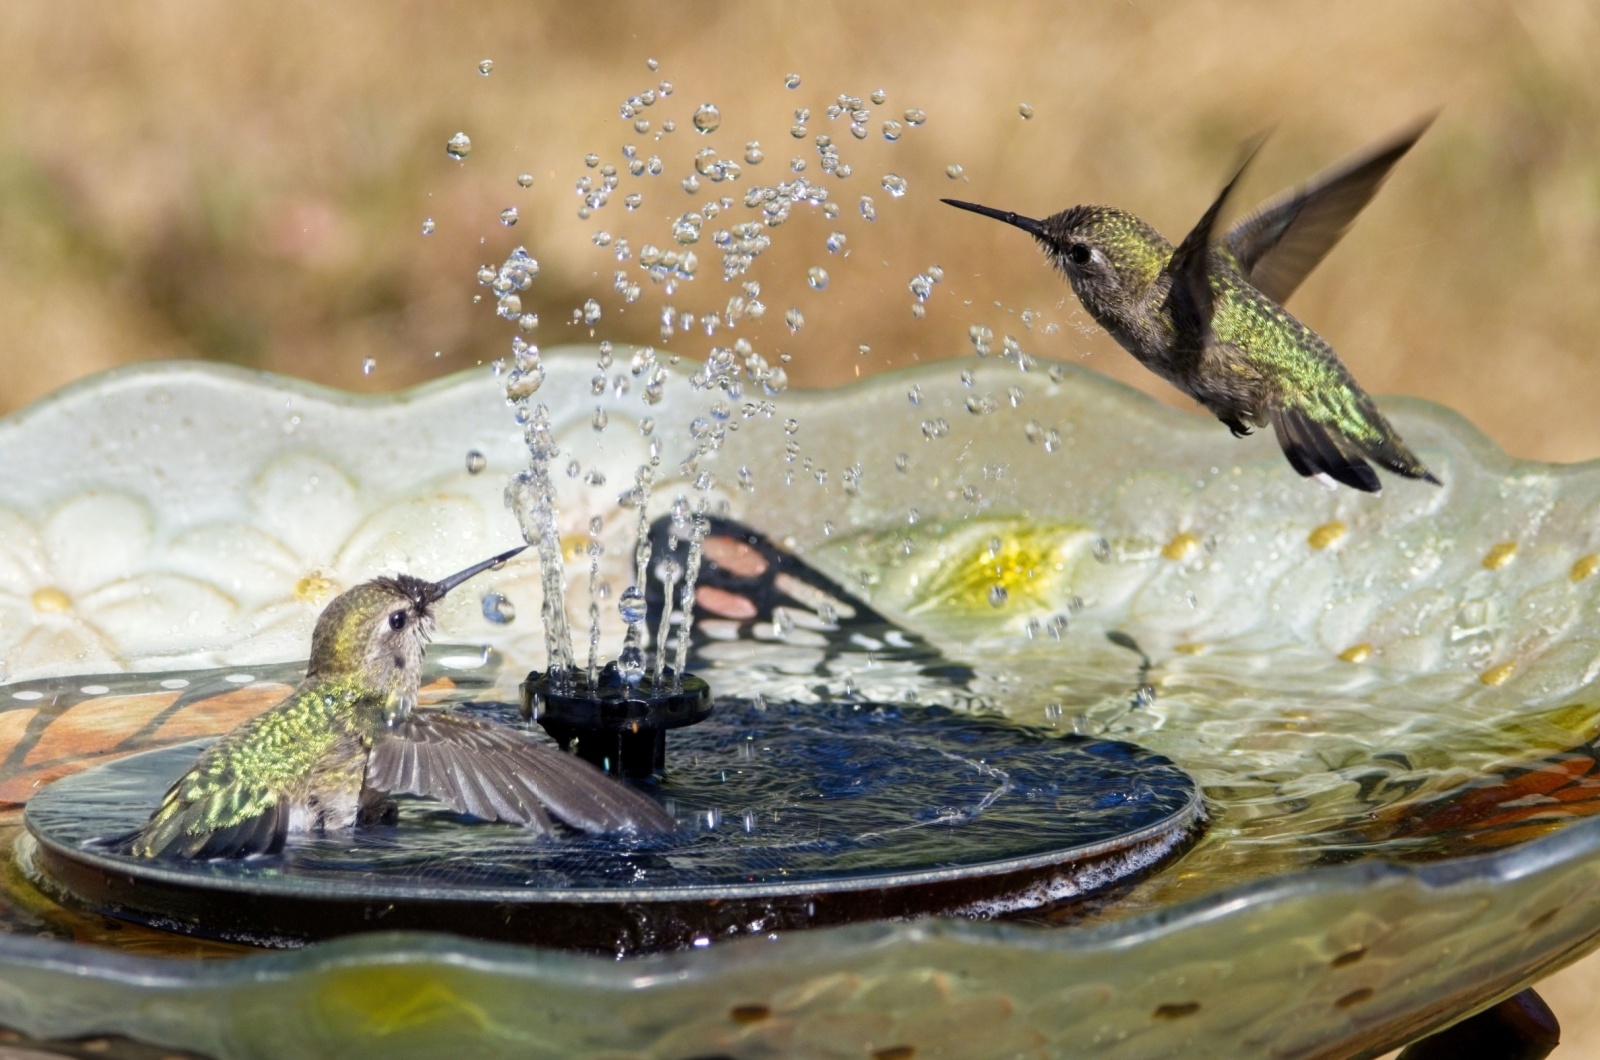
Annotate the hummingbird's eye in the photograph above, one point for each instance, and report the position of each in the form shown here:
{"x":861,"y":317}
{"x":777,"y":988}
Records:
{"x":397,"y":620}
{"x":1078,"y":254}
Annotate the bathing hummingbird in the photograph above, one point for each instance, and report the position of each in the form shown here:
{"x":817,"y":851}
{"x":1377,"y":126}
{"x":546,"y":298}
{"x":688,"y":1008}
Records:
{"x":350,"y":734}
{"x":1208,"y":315}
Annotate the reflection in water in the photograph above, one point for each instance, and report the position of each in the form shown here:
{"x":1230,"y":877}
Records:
{"x":1303,"y":758}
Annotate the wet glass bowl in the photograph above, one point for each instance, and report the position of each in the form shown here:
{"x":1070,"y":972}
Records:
{"x":1387,"y":702}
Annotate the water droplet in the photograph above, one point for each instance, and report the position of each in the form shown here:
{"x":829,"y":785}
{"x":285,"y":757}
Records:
{"x":523,"y":383}
{"x":1026,"y":110}
{"x":485,"y":66}
{"x":892,"y":130}
{"x":369,"y":365}
{"x":915,"y":116}
{"x":707,"y":118}
{"x":878,"y":96}
{"x":894,"y":185}
{"x":524,"y":180}
{"x":458,"y":146}
{"x":954,"y":171}
{"x":428,"y":226}
{"x":997,"y":596}
{"x":795,"y":319}
{"x":508,"y":216}
{"x":631,"y":605}
{"x":817,"y":278}
{"x":791,"y":81}
{"x":497,"y":609}
{"x":868,"y":210}
{"x":476,"y":461}
{"x":753,"y":154}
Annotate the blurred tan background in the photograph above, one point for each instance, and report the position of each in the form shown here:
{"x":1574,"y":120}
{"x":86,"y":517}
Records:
{"x":247,"y":182}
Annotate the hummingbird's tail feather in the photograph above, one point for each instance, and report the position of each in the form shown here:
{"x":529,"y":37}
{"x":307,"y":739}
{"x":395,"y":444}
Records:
{"x":1317,"y":449}
{"x":184,"y":833}
{"x":498,"y":773}
{"x":1392,"y":453}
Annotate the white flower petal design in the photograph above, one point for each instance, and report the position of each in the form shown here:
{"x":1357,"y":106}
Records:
{"x":16,"y":622}
{"x":153,"y":613}
{"x":430,"y":537}
{"x":96,"y":538}
{"x":307,"y":503}
{"x":249,"y":564}
{"x":66,"y":647}
{"x":22,"y":561}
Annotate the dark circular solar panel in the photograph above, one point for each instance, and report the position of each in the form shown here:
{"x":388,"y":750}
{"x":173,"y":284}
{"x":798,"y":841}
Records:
{"x":790,"y":816}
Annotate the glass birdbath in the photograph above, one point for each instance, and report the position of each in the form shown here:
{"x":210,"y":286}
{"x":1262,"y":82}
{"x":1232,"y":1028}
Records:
{"x":1385,"y":702}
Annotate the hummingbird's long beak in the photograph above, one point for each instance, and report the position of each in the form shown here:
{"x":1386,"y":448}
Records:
{"x":1027,"y":224}
{"x":436,"y":590}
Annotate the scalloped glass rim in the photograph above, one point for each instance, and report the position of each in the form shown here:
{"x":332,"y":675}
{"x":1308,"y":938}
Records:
{"x":58,"y":990}
{"x":1289,"y":961}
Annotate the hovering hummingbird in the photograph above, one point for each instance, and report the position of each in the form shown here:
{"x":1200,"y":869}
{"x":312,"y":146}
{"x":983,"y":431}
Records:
{"x":1208,"y":315}
{"x":350,"y":734}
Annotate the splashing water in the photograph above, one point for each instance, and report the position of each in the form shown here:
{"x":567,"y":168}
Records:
{"x":740,"y":382}
{"x":531,"y":496}
{"x":595,"y":550}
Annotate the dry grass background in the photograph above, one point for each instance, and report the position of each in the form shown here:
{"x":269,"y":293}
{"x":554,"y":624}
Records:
{"x":246,"y":182}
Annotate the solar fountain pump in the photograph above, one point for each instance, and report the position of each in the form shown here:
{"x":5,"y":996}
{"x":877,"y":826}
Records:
{"x":618,"y":724}
{"x":618,"y":714}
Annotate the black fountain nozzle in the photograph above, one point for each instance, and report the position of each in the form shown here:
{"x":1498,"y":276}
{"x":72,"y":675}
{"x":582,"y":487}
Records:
{"x":620,"y":727}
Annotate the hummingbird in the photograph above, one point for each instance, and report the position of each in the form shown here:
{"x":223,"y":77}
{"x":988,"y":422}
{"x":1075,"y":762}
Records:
{"x":1208,"y":316}
{"x":328,"y":755}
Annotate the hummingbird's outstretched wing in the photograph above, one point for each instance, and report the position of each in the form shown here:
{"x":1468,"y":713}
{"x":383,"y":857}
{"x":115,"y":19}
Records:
{"x":1283,"y":240}
{"x":1189,"y":264}
{"x":498,"y":773}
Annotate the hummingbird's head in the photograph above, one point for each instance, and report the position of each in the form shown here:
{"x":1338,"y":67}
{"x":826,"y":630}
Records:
{"x":376,"y":632}
{"x":1110,"y":256}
